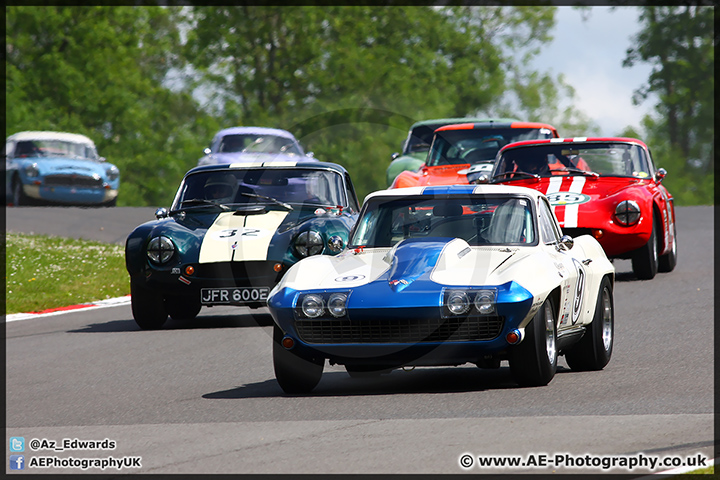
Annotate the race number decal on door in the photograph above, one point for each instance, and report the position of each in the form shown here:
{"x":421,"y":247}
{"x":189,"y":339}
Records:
{"x":579,"y":290}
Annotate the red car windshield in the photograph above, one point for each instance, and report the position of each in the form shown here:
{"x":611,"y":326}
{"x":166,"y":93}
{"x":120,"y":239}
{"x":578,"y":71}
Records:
{"x":455,"y":147}
{"x":605,"y":159}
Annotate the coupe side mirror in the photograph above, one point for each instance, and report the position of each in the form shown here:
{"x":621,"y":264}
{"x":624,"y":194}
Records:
{"x":161,"y":212}
{"x":207,"y":151}
{"x":660,"y":174}
{"x":394,"y":156}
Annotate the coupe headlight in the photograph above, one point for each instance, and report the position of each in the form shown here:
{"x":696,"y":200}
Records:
{"x":32,"y":171}
{"x":485,"y":302}
{"x":627,"y":212}
{"x":160,"y":249}
{"x":112,"y":173}
{"x":308,"y":243}
{"x":458,"y":302}
{"x":336,"y":304}
{"x":312,"y":306}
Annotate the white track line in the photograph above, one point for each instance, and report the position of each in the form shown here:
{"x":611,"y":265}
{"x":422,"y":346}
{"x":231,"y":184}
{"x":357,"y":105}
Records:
{"x":110,"y":302}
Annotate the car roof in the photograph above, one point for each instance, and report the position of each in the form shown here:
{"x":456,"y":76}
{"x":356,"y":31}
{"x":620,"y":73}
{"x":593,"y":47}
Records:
{"x":448,"y":121}
{"x":270,"y":164}
{"x":484,"y":189}
{"x":255,"y":131}
{"x":484,"y":125}
{"x":48,"y":135}
{"x":575,"y":140}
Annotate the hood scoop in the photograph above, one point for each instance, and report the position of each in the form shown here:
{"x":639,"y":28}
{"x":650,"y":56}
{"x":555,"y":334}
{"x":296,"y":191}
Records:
{"x":412,"y":258}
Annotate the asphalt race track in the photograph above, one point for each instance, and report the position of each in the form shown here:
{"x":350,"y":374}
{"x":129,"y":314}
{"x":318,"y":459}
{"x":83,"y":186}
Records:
{"x":201,"y":397}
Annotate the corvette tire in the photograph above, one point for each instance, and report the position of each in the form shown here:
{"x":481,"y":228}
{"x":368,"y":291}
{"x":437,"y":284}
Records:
{"x":294,"y":373}
{"x":594,"y":349}
{"x":533,"y":362}
{"x":667,"y":262}
{"x":181,"y":308}
{"x":148,"y":308}
{"x":645,"y":260}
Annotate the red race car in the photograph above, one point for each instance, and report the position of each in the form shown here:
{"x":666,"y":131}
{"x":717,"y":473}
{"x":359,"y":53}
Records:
{"x":606,"y":187}
{"x":464,"y":148}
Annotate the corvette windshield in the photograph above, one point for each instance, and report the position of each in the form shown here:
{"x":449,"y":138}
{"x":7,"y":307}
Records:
{"x":457,"y":147}
{"x":608,"y":159}
{"x":249,"y":186}
{"x":254,"y":143}
{"x":477,"y":219}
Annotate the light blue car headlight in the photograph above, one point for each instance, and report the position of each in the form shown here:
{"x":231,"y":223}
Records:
{"x":112,"y":173}
{"x":32,"y":171}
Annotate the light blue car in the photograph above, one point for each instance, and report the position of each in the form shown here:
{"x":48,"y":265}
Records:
{"x":57,"y":168}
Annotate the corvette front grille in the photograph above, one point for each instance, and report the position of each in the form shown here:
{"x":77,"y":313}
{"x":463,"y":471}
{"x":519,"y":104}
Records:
{"x":66,"y":180}
{"x":394,"y":330}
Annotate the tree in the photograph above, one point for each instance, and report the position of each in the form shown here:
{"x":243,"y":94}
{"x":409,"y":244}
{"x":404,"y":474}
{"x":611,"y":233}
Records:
{"x":679,"y":42}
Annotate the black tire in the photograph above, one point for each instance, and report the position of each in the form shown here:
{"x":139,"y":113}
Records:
{"x":181,"y":308}
{"x":361,"y":371}
{"x":111,"y":203}
{"x":594,"y":349}
{"x":148,"y":308}
{"x":645,"y":260}
{"x":667,"y":262}
{"x":19,"y":198}
{"x":533,"y":362}
{"x":294,"y":373}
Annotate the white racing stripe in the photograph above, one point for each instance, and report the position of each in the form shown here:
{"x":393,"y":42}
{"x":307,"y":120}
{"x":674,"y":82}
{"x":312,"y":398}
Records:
{"x":571,"y":211}
{"x":554,"y":185}
{"x":233,"y":238}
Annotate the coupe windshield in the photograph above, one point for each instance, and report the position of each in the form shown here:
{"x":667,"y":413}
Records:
{"x":610,"y":159}
{"x":254,"y":143}
{"x":456,"y":147}
{"x":477,"y":219}
{"x":55,"y":148}
{"x":263,"y":186}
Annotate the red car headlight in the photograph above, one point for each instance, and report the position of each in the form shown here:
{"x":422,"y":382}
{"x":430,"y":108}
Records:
{"x":627,"y":212}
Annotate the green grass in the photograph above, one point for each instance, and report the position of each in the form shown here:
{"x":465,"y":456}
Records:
{"x":43,"y":272}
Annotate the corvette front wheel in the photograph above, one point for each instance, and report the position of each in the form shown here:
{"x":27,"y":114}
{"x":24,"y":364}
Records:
{"x":148,"y":308}
{"x":294,"y":373}
{"x":533,"y":362}
{"x":667,"y":262}
{"x":594,"y":349}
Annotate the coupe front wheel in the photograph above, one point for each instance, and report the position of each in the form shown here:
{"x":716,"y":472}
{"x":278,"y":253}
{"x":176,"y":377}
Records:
{"x":667,"y":262}
{"x":594,"y":349}
{"x":148,"y":308}
{"x":533,"y":362}
{"x":182,"y":308}
{"x":645,"y":260}
{"x":294,"y":373}
{"x":18,"y":195}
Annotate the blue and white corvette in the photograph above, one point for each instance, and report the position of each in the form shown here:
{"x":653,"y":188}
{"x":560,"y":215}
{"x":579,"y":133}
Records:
{"x":446,"y":276}
{"x":232,"y":232}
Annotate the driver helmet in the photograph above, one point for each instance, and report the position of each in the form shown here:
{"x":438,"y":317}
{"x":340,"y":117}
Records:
{"x":220,"y":187}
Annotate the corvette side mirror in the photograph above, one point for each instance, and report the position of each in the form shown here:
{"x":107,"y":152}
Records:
{"x":207,"y":151}
{"x":161,"y":212}
{"x":394,"y":156}
{"x":566,"y":242}
{"x":660,"y":174}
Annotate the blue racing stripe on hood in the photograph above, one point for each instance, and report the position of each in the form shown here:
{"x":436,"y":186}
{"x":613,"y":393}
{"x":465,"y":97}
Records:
{"x":413,"y":258}
{"x":449,"y":190}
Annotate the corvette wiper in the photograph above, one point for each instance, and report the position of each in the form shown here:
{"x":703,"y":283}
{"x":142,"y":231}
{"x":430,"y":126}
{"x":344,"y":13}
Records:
{"x":274,"y":200}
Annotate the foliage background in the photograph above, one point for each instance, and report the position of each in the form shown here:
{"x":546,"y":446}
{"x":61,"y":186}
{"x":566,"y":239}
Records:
{"x":151,"y":85}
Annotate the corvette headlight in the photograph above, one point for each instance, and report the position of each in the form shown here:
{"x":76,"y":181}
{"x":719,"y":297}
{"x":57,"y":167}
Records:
{"x":312,"y":306}
{"x":308,"y":243}
{"x":627,"y":212}
{"x":160,"y":249}
{"x":112,"y":173}
{"x":336,"y":304}
{"x":458,"y":302}
{"x":32,"y":171}
{"x":485,"y":302}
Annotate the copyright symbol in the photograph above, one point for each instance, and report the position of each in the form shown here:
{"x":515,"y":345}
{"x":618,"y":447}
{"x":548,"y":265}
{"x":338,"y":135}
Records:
{"x":34,"y":444}
{"x":466,"y":460}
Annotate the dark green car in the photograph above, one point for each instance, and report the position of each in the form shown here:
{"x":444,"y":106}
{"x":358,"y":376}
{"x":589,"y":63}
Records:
{"x":231,"y":234}
{"x":418,"y":141}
